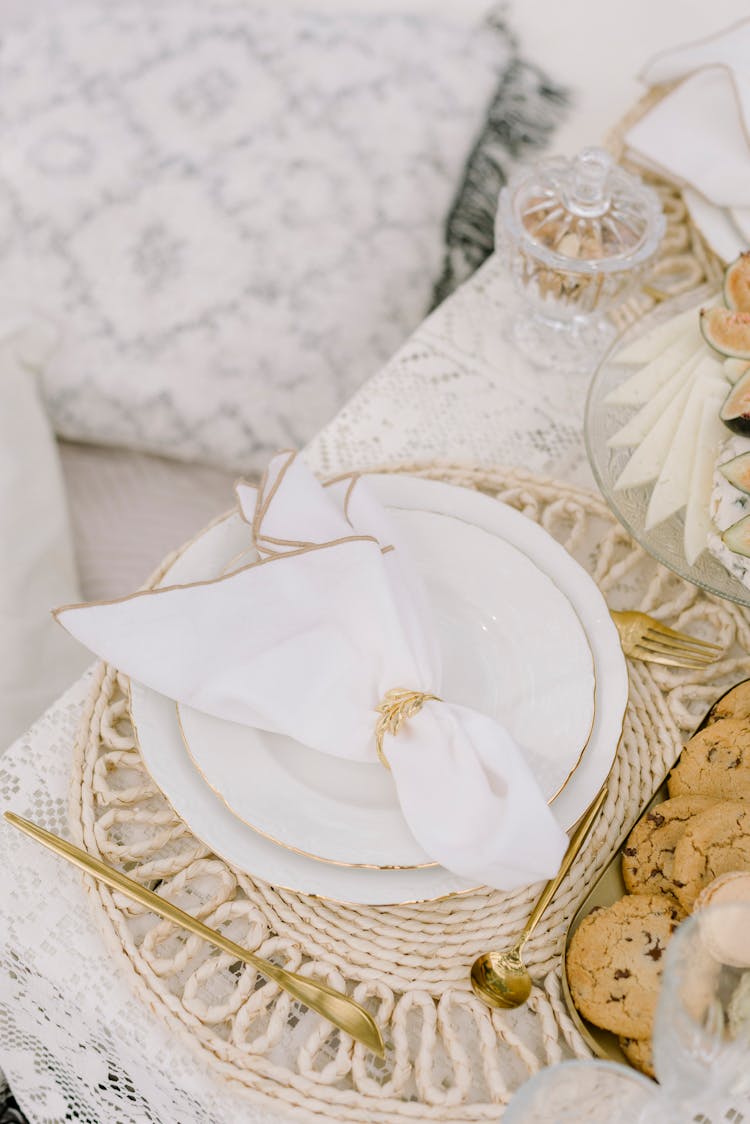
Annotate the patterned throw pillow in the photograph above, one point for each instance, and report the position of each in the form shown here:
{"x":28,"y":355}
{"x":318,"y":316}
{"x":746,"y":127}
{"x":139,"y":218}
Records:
{"x":232,"y":214}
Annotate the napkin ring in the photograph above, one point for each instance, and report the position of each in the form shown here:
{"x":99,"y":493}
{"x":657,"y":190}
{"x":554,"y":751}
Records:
{"x":396,"y":707}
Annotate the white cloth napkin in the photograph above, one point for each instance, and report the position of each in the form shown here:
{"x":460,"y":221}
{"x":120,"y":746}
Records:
{"x":308,"y":640}
{"x":699,"y":134}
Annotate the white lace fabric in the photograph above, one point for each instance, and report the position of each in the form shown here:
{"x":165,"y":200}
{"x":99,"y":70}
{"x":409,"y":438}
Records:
{"x":75,"y":1042}
{"x":459,"y":391}
{"x":87,"y":1035}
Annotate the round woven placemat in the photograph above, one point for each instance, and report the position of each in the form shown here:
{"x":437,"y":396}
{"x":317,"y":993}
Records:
{"x":449,"y":1057}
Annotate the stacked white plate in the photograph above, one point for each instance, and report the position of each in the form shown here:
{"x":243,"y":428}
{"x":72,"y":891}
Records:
{"x":526,"y":637}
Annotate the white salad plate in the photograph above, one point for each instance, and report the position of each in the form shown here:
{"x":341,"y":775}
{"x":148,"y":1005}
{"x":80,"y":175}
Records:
{"x":207,"y":814}
{"x":512,"y":647}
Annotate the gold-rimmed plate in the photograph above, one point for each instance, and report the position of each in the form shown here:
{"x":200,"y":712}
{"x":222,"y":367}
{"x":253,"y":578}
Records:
{"x":207,"y":815}
{"x":512,"y":647}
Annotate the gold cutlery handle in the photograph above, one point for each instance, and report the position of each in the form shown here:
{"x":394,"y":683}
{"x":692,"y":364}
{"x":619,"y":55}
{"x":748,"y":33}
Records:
{"x":577,"y":840}
{"x":339,"y":1009}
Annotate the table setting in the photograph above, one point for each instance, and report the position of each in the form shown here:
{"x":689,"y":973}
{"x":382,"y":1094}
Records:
{"x":124,"y":819}
{"x":363,"y":778}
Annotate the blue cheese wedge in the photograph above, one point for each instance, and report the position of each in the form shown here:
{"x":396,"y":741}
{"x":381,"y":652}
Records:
{"x":728,"y":505}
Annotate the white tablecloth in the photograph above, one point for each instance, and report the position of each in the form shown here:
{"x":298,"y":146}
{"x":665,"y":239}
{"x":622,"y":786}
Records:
{"x":72,"y":1036}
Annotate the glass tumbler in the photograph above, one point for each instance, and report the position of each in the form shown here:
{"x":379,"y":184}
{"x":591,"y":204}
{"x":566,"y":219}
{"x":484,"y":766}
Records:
{"x":702,"y":1026}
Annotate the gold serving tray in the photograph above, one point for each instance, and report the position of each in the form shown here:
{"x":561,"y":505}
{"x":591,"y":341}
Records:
{"x":609,"y":888}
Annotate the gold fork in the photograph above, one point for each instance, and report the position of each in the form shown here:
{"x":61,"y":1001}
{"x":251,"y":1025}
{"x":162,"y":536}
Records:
{"x":644,"y":638}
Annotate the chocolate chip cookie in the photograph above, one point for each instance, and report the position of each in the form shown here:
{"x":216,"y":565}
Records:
{"x":638,"y":1051}
{"x":715,"y":762}
{"x":714,"y":842}
{"x":648,"y":854}
{"x":735,"y":704}
{"x":615,"y":961}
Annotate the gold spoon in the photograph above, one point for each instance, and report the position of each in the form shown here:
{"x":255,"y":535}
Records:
{"x":501,"y":979}
{"x":339,"y":1009}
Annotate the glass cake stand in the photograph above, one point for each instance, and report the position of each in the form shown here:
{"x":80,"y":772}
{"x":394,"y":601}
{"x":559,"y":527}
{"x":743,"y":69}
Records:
{"x":664,"y":541}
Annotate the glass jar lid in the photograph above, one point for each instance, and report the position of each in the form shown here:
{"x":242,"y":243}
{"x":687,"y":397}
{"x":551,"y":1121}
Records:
{"x":586,"y":215}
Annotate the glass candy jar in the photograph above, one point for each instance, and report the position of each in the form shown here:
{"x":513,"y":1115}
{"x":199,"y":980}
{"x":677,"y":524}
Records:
{"x":576,"y":235}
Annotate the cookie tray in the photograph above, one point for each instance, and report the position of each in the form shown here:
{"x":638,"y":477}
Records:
{"x":609,"y":888}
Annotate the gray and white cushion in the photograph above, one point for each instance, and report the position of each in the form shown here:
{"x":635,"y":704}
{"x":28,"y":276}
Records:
{"x":233,"y":214}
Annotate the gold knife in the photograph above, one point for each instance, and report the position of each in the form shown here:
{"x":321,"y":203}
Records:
{"x":332,"y":1005}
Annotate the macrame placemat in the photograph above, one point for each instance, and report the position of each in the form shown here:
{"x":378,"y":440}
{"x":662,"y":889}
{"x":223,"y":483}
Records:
{"x":449,"y":1057}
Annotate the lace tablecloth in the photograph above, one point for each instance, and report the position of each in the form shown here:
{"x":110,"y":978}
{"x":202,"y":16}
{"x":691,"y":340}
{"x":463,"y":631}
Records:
{"x":75,"y":1043}
{"x":459,"y":391}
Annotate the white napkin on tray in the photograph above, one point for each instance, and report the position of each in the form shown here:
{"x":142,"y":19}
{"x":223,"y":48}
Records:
{"x":699,"y":133}
{"x":308,"y":640}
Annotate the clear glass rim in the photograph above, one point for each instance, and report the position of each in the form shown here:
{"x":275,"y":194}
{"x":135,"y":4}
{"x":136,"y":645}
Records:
{"x":526,"y":1095}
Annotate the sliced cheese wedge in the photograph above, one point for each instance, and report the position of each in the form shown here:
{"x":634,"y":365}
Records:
{"x":648,"y":459}
{"x":671,"y":490}
{"x":698,"y":523}
{"x":653,"y":343}
{"x":637,"y":428}
{"x":642,"y":386}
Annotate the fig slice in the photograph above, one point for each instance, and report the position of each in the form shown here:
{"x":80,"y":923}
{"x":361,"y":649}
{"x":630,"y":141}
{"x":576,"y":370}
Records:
{"x":726,"y":331}
{"x":737,"y":284}
{"x":735,"y":412}
{"x":737,"y":471}
{"x":737,"y":537}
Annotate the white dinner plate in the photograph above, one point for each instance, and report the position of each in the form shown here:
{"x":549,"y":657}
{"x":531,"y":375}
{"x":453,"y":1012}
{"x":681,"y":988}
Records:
{"x":512,"y":647}
{"x":207,"y":815}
